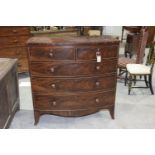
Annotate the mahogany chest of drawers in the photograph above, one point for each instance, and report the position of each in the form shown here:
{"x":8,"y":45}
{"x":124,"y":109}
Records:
{"x":13,"y":44}
{"x":9,"y":94}
{"x":73,"y":76}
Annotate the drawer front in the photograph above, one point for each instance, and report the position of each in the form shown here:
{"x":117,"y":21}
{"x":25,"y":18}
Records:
{"x":49,"y":54}
{"x":59,"y":85}
{"x":13,"y":41}
{"x":13,"y":31}
{"x":87,"y":53}
{"x":83,"y":101}
{"x":73,"y":69}
{"x":10,"y":52}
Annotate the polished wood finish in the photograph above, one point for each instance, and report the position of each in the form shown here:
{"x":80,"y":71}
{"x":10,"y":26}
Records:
{"x":130,"y":29}
{"x":13,"y":44}
{"x":151,"y":31}
{"x":66,"y":78}
{"x":9,"y":93}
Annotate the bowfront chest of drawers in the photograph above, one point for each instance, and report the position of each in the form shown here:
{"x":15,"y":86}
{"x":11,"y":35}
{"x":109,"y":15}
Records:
{"x":9,"y":94}
{"x":13,"y":44}
{"x":73,"y":76}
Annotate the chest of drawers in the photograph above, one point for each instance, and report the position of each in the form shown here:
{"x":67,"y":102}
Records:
{"x":66,"y":78}
{"x":9,"y":94}
{"x":13,"y":44}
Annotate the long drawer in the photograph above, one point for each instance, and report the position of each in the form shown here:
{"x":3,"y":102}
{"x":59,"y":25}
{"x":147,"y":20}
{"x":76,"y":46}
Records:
{"x":82,"y":101}
{"x":72,"y":69}
{"x":87,"y":53}
{"x":59,"y":85}
{"x":14,"y":30}
{"x":50,"y":53}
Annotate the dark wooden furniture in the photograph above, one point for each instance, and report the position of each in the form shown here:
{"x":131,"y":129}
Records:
{"x":131,"y":45}
{"x":66,"y":78}
{"x":151,"y":31}
{"x":9,"y":94}
{"x":131,"y":29}
{"x":13,"y":44}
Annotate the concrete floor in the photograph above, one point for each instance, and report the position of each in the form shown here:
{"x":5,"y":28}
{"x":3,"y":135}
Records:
{"x":132,"y":111}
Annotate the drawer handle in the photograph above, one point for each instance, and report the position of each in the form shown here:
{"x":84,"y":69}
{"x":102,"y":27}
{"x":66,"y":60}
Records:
{"x":98,"y":67}
{"x":97,"y":100}
{"x":51,"y":54}
{"x":14,"y":31}
{"x":52,"y":69}
{"x":54,"y":103}
{"x":15,"y":41}
{"x":98,"y":56}
{"x":97,"y":83}
{"x":53,"y":85}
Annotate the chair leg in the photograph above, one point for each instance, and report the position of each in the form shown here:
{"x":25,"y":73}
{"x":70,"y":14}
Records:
{"x":129,"y":84}
{"x":150,"y":84}
{"x":134,"y":79}
{"x":146,"y":82}
{"x":126,"y":78}
{"x":125,"y":54}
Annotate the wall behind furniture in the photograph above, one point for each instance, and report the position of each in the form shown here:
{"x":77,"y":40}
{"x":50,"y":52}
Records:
{"x":112,"y":30}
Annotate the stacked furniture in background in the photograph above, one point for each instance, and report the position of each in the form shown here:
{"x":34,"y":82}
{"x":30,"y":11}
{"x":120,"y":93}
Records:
{"x":13,"y":44}
{"x":73,"y":76}
{"x":9,"y":94}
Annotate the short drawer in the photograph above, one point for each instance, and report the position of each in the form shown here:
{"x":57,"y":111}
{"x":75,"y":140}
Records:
{"x":13,"y":41}
{"x":89,"y":53}
{"x":71,"y":102}
{"x":59,"y":85}
{"x":49,"y":53}
{"x":45,"y":69}
{"x":14,"y":30}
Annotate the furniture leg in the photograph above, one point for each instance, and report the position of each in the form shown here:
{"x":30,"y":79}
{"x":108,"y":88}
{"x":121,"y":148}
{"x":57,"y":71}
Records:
{"x":134,"y":79}
{"x":111,"y":110}
{"x":36,"y":117}
{"x":130,"y":84}
{"x":146,"y":82}
{"x":150,"y":84}
{"x":122,"y":34}
{"x":126,"y":78}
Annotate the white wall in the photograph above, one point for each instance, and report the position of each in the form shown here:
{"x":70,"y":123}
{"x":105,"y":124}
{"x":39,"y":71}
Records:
{"x":112,"y":30}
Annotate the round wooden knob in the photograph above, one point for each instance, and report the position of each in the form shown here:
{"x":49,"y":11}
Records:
{"x":51,"y":54}
{"x":15,"y":41}
{"x":97,"y":83}
{"x":14,"y":31}
{"x":54,"y":103}
{"x":97,"y":100}
{"x":53,"y":85}
{"x":98,"y":67}
{"x":52,"y":69}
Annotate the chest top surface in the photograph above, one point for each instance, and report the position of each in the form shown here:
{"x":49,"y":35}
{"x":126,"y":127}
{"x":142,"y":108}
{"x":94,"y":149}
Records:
{"x":73,"y":40}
